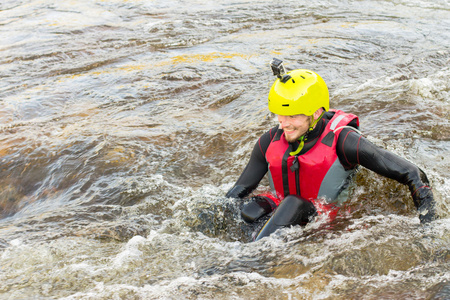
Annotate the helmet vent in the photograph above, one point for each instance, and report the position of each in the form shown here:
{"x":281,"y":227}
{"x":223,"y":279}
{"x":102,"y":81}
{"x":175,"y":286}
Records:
{"x":302,"y":76}
{"x":284,"y":104}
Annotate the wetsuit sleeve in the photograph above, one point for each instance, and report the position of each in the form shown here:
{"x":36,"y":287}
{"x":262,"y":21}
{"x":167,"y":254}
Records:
{"x":255,"y":169}
{"x":353,"y":149}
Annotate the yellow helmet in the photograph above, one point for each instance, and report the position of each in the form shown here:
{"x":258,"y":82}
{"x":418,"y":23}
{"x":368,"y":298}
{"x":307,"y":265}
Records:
{"x":298,"y":92}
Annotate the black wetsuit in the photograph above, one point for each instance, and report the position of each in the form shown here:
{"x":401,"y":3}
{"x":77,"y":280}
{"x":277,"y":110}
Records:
{"x":352,"y":150}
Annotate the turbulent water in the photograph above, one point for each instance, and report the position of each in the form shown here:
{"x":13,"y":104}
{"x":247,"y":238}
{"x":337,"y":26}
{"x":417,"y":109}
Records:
{"x":124,"y":122}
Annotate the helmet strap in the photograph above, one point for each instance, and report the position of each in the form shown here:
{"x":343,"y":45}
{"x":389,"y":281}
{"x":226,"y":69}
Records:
{"x":314,"y":123}
{"x":304,"y":137}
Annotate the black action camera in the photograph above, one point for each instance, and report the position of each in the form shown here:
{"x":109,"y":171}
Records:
{"x":277,"y":67}
{"x":279,"y":70}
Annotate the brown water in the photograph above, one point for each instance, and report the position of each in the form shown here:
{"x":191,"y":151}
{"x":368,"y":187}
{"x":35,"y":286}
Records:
{"x":124,"y":123}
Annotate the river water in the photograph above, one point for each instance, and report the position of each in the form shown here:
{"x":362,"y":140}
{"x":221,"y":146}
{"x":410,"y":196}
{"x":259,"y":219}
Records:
{"x":124,"y":123}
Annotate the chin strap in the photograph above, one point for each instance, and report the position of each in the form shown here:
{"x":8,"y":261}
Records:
{"x":304,"y":137}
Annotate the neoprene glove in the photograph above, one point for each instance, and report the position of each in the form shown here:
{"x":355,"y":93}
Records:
{"x":423,"y":198}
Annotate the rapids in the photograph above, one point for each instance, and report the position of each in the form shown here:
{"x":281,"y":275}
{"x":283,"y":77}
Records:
{"x":123,"y":123}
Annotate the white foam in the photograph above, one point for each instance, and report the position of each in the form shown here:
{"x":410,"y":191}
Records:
{"x":131,"y":252}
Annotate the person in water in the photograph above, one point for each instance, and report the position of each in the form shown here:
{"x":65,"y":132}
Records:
{"x":311,"y":155}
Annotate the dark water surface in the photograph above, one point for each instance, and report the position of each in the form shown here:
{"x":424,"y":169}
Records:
{"x":124,"y":123}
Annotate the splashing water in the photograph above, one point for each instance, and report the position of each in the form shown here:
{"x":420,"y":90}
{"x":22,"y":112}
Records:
{"x":124,"y":123}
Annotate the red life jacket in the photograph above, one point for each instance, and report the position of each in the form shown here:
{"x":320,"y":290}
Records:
{"x":317,"y":174}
